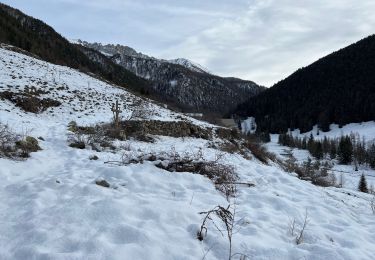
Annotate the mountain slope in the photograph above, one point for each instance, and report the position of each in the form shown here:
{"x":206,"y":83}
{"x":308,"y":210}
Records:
{"x":52,"y":208}
{"x":339,"y":88}
{"x":181,"y":81}
{"x":35,"y":36}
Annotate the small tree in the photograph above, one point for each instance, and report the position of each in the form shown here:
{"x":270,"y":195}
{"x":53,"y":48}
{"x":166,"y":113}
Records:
{"x":362,"y":186}
{"x":345,"y":150}
{"x":116,"y":114}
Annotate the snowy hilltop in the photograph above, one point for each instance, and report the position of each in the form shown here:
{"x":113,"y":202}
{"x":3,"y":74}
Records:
{"x":160,"y":185}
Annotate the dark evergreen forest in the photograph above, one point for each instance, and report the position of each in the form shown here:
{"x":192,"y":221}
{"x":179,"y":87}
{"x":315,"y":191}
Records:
{"x":339,"y":88}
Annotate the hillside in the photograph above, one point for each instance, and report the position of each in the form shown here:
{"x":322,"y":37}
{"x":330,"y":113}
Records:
{"x":103,"y":202}
{"x":181,"y":81}
{"x":339,"y":88}
{"x":38,"y":38}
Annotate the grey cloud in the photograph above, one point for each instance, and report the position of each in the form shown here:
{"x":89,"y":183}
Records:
{"x":260,"y":40}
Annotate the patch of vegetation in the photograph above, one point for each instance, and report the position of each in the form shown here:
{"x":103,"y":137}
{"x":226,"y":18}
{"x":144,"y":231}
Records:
{"x":221,"y":174}
{"x":318,"y":173}
{"x":16,"y":146}
{"x":29,"y":103}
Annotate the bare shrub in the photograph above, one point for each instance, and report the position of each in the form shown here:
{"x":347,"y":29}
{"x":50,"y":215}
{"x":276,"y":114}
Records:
{"x":224,"y":221}
{"x":97,"y":136}
{"x":321,"y":177}
{"x":290,"y":164}
{"x":29,"y":102}
{"x":72,"y":126}
{"x":27,"y":145}
{"x":16,"y":146}
{"x":82,"y":136}
{"x":324,"y":179}
{"x":77,"y":140}
{"x":225,"y":216}
{"x":229,"y":147}
{"x":297,"y":230}
{"x":315,"y":172}
{"x":372,"y":204}
{"x":223,"y":176}
{"x":7,"y":139}
{"x":259,"y":151}
{"x":292,"y":227}
{"x":300,"y":236}
{"x":126,"y":147}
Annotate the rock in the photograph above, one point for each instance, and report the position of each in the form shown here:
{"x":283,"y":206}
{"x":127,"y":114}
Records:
{"x":78,"y":145}
{"x":102,"y":183}
{"x":93,"y":157}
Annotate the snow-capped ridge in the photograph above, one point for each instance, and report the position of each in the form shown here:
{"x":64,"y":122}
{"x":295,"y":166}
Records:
{"x":190,"y":65}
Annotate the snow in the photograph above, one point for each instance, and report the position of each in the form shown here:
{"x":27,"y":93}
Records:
{"x":189,"y":64}
{"x":173,"y":83}
{"x":106,"y":54}
{"x":51,"y":207}
{"x":248,"y":125}
{"x":364,"y":129}
{"x":348,"y":173}
{"x":351,"y":177}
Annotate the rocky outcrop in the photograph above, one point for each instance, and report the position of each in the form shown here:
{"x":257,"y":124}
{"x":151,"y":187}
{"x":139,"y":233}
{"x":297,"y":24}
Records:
{"x":166,"y":128}
{"x":176,"y":129}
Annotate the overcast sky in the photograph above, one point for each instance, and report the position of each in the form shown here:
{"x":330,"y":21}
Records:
{"x":259,"y":40}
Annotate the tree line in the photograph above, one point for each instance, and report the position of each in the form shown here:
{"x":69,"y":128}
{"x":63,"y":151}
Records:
{"x":346,"y":149}
{"x":339,"y":88}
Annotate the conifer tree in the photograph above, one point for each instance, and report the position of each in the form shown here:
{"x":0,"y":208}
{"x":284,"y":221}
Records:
{"x":345,"y":150}
{"x":362,"y":186}
{"x":371,"y":156}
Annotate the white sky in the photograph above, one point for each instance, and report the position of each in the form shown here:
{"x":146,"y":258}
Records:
{"x":259,"y":40}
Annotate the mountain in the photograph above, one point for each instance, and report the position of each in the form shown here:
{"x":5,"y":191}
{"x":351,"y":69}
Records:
{"x":339,"y":88}
{"x":181,"y":81}
{"x":36,"y":37}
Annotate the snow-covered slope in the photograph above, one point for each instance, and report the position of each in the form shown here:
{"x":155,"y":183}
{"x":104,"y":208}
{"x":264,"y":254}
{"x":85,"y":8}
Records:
{"x":84,"y":99}
{"x":51,"y":207}
{"x":364,"y":129}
